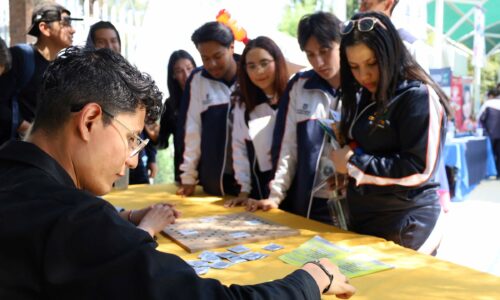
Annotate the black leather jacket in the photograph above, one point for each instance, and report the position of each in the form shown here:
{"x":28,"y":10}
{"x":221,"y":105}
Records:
{"x":392,"y":192}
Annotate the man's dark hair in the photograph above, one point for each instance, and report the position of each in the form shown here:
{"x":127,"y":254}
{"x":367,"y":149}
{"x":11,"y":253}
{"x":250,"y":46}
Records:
{"x":81,"y":75}
{"x":324,"y":26}
{"x":5,"y":58}
{"x":100,"y":25}
{"x":213,"y":32}
{"x":493,"y":93}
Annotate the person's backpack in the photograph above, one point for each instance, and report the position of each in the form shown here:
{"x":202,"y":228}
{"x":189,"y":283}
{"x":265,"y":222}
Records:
{"x":27,"y":69}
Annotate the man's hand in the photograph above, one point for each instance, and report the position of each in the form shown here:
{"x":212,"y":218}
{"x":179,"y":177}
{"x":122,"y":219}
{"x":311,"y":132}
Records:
{"x":186,"y":190}
{"x":340,"y":286}
{"x":157,"y":217}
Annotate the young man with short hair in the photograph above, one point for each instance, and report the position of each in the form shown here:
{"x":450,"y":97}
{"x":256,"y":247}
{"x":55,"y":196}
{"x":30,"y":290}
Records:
{"x":60,"y":241}
{"x":204,"y":123}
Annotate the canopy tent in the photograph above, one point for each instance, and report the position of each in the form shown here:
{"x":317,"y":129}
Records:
{"x":458,"y":21}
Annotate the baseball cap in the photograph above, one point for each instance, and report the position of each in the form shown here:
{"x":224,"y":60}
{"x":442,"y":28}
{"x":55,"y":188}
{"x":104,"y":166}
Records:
{"x":48,"y":13}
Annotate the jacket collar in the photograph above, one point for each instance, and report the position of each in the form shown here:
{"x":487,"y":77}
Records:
{"x":30,"y":154}
{"x":230,"y":83}
{"x":316,"y":82}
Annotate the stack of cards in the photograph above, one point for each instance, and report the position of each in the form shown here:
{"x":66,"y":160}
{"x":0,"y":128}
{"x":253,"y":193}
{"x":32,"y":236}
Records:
{"x":237,"y":254}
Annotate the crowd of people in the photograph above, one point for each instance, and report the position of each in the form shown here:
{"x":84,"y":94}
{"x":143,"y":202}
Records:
{"x":75,"y":119}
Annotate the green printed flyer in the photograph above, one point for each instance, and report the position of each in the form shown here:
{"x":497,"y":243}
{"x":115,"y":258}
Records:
{"x":350,"y":263}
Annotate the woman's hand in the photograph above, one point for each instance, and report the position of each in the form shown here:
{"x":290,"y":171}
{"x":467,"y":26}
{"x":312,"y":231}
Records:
{"x":240,"y":200}
{"x":264,"y":204}
{"x":186,"y":190}
{"x":340,"y":158}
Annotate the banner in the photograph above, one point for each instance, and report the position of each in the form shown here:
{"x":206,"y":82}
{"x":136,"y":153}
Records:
{"x":457,"y":101}
{"x":479,"y":43}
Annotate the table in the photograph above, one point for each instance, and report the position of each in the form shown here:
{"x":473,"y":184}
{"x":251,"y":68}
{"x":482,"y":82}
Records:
{"x":416,"y":276}
{"x":473,"y":159}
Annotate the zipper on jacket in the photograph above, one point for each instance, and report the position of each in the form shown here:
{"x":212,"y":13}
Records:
{"x":254,"y":173}
{"x":357,"y":117}
{"x":221,"y":181}
{"x":311,"y":197}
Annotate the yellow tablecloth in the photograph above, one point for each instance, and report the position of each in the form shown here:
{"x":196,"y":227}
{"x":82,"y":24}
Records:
{"x":415,"y":276}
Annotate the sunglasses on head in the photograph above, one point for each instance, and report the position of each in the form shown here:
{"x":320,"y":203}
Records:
{"x":364,"y":25}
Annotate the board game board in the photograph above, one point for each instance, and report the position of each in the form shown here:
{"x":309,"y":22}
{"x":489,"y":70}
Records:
{"x":195,"y":234}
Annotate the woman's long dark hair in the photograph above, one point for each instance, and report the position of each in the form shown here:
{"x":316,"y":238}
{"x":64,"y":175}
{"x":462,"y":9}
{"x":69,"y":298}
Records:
{"x":394,"y":61}
{"x":247,"y":91}
{"x":174,"y":88}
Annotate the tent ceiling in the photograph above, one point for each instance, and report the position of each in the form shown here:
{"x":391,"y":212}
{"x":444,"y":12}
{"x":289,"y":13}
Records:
{"x":458,"y":21}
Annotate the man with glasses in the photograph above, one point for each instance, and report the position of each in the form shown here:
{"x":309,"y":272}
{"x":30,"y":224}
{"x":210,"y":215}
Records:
{"x":60,"y":241}
{"x":51,"y":25}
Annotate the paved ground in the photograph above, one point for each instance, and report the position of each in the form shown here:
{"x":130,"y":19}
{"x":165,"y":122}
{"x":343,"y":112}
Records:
{"x":472,"y":235}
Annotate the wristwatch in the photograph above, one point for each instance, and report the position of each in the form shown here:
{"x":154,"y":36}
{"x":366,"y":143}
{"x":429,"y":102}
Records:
{"x":330,"y":275}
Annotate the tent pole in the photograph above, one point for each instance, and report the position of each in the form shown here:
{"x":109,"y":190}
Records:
{"x":438,"y":21}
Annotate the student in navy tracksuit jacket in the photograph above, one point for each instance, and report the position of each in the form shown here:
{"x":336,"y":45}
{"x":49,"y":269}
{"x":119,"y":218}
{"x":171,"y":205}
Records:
{"x":204,"y":120}
{"x":301,"y":148}
{"x":262,"y":79}
{"x":395,"y":128}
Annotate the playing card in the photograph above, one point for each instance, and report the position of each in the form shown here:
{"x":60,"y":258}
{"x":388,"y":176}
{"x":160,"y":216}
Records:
{"x":188,"y":232}
{"x":236,"y":259}
{"x":238,"y":249}
{"x":201,"y":270}
{"x":220,"y":264}
{"x":226,"y":255}
{"x":239,"y":234}
{"x":253,"y":255}
{"x":197,"y":263}
{"x":272,"y":247}
{"x":253,"y":222}
{"x":209,"y":256}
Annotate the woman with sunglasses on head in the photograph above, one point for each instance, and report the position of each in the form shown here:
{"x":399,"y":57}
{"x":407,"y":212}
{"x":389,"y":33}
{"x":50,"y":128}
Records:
{"x":393,"y":117}
{"x":262,"y":78}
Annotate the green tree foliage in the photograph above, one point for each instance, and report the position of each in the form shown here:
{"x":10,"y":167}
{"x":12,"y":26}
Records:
{"x":489,"y":74}
{"x":297,"y":8}
{"x":293,"y":12}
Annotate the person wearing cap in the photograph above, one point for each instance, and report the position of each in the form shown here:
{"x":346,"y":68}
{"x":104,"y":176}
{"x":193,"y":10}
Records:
{"x":51,"y":25}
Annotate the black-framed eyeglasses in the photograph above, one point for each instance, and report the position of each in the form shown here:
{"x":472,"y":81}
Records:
{"x":364,"y":25}
{"x":135,"y":142}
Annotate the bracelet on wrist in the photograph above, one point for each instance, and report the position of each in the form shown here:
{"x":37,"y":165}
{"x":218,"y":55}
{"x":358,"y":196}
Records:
{"x":330,"y":275}
{"x":129,"y":216}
